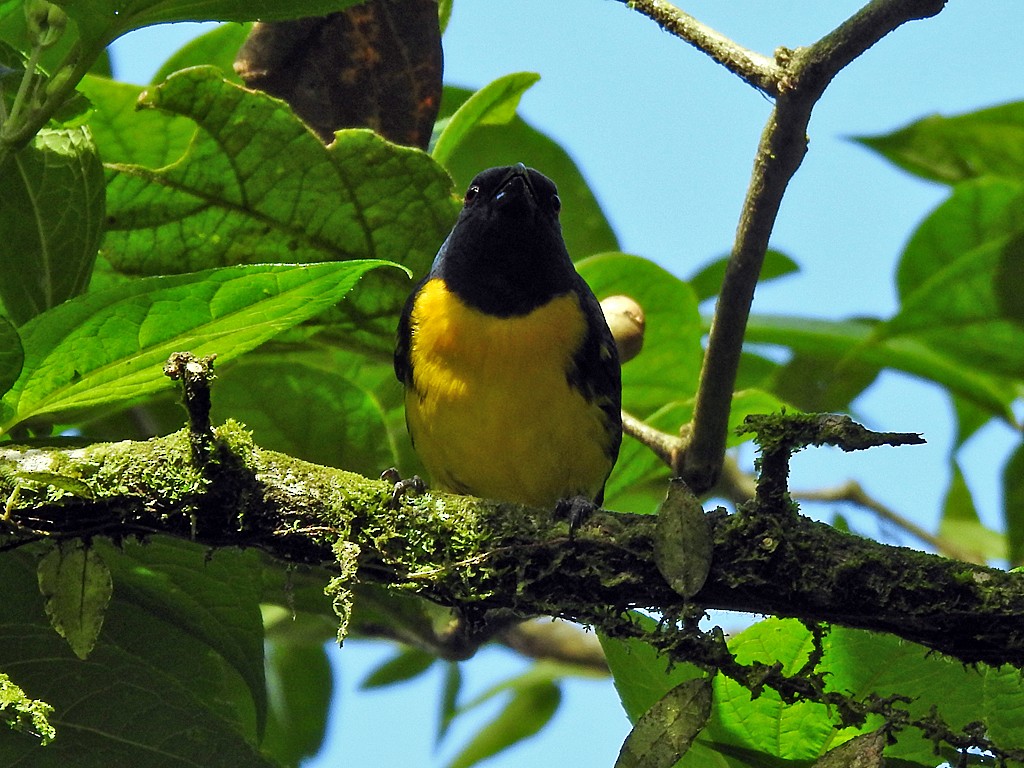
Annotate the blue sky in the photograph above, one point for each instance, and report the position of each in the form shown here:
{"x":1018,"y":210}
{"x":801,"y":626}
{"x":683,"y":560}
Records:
{"x":666,"y":139}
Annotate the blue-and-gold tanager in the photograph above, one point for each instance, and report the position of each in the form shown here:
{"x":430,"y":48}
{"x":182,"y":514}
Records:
{"x":512,"y":382}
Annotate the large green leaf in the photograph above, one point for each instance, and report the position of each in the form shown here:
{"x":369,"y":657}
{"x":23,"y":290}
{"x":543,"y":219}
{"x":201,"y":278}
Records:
{"x":668,"y":367}
{"x":110,"y":346}
{"x":954,"y":275}
{"x":51,"y":221}
{"x":214,"y":600}
{"x":643,"y":676}
{"x":860,"y":341}
{"x":584,"y":225}
{"x":12,"y":355}
{"x":151,"y":693}
{"x":126,"y":134}
{"x":257,"y":185}
{"x":863,"y":662}
{"x":320,"y":415}
{"x":800,"y":731}
{"x":989,"y":142}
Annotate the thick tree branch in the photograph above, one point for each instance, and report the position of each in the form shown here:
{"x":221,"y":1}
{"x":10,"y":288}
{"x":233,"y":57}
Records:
{"x":483,"y":557}
{"x":797,"y":81}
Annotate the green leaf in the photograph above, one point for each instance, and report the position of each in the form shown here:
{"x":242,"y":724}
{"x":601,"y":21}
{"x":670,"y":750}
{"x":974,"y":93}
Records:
{"x":584,"y":226}
{"x":449,"y":698}
{"x":707,"y":281}
{"x":300,"y":688}
{"x":952,"y":278}
{"x":214,"y":600}
{"x":236,"y":197}
{"x":862,"y":662}
{"x":76,"y":585}
{"x":960,"y":523}
{"x":323,"y":415}
{"x":494,"y":104}
{"x":668,"y":367}
{"x":12,"y":355}
{"x":110,"y":346}
{"x":217,"y":48}
{"x":819,"y":383}
{"x":149,"y":690}
{"x":682,"y":544}
{"x":666,"y":731}
{"x":126,"y":134}
{"x":532,"y":704}
{"x":643,"y":676}
{"x":859,"y":340}
{"x":404,"y":665}
{"x":24,"y":715}
{"x":1013,"y":506}
{"x":52,"y":221}
{"x":764,"y":730}
{"x":799,"y":731}
{"x":101,"y":21}
{"x":444,"y":12}
{"x":989,"y":142}
{"x":969,"y":419}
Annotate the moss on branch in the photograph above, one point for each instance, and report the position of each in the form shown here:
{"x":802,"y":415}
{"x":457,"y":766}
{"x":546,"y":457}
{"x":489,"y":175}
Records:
{"x":483,"y":557}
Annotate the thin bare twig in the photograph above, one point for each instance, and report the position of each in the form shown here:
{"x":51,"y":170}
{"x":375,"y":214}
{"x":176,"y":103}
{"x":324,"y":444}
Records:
{"x":852,"y":492}
{"x":665,"y":446}
{"x":757,"y":70}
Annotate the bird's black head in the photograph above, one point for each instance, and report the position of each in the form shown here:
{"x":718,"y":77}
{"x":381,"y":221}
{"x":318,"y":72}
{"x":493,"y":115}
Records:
{"x":505,"y":254}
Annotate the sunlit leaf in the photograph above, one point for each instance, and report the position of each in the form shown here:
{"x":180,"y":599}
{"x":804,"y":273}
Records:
{"x":989,"y":142}
{"x":110,"y":346}
{"x":960,"y":523}
{"x":494,"y":104}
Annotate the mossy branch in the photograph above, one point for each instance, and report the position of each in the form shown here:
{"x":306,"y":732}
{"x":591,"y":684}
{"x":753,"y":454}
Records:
{"x":483,"y":557}
{"x":796,"y":79}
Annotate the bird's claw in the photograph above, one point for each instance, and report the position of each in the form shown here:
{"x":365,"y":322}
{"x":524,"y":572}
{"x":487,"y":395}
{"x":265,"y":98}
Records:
{"x":411,"y":485}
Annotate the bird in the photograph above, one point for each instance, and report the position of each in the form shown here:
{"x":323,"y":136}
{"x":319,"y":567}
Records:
{"x":512,"y":379}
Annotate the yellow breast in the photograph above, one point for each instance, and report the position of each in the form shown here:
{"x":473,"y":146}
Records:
{"x":491,"y":411}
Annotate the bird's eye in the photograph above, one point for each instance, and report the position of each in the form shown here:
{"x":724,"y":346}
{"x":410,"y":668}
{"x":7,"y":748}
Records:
{"x":556,"y":203}
{"x":471,"y":194}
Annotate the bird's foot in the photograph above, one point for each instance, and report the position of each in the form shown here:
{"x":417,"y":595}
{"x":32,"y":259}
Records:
{"x":413,"y":486}
{"x":575,"y":509}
